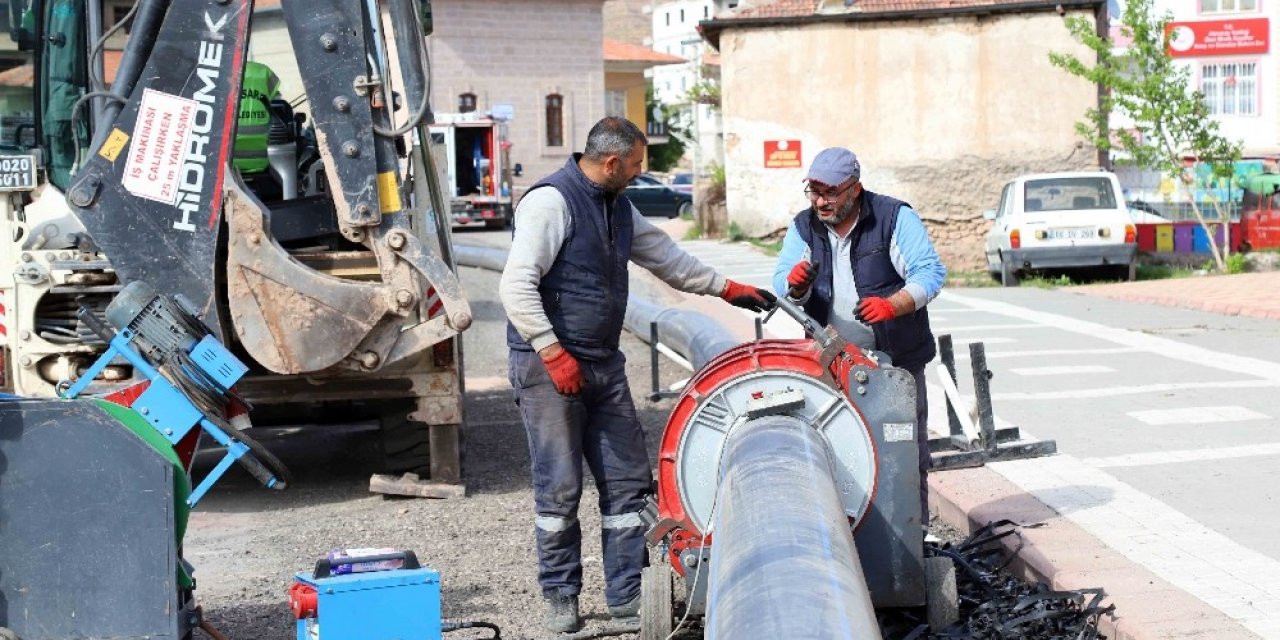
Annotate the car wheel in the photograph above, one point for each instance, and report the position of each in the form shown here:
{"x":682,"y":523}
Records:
{"x":1008,"y":273}
{"x":686,"y":209}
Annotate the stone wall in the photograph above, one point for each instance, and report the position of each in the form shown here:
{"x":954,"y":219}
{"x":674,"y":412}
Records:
{"x":941,"y":112}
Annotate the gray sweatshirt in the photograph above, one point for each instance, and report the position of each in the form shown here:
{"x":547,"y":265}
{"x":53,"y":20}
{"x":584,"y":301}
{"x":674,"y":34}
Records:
{"x":542,"y":222}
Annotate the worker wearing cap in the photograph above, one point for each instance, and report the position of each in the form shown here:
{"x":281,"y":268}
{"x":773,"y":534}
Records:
{"x":862,"y":262}
{"x":564,"y":289}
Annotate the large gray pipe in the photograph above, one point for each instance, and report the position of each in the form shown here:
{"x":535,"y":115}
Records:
{"x":693,"y":335}
{"x":784,"y":563}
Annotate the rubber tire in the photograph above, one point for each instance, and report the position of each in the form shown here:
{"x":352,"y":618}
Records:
{"x":1008,"y":273}
{"x":657,"y":613}
{"x":686,"y":208}
{"x":406,"y":444}
{"x":942,"y":601}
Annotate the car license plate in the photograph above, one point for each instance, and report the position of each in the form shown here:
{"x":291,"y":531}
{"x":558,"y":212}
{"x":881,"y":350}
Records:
{"x":1075,"y":233}
{"x":17,"y":173}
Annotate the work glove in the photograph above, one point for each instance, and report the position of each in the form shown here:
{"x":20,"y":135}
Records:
{"x":801,"y":278}
{"x":563,"y":369}
{"x":872,"y":310}
{"x":747,"y":297}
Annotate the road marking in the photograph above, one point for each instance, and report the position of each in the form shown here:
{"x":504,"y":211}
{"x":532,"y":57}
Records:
{"x":1107,"y":392}
{"x":989,"y":327}
{"x":1062,"y":370}
{"x":985,"y":340}
{"x":1196,"y":415}
{"x":1186,"y":455}
{"x":1224,"y":574}
{"x":1162,"y":346}
{"x":1039,"y":353}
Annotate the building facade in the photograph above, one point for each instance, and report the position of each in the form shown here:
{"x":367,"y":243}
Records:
{"x":1226,"y":48}
{"x":675,"y":32}
{"x":541,"y":62}
{"x":943,"y":101}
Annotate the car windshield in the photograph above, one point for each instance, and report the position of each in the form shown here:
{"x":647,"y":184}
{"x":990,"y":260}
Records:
{"x":682,"y":178}
{"x":1069,"y":194}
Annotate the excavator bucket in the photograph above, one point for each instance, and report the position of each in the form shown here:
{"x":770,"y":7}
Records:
{"x":159,"y":196}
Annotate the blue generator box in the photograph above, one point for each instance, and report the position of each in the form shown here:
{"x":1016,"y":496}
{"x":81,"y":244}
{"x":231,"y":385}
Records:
{"x":393,"y":604}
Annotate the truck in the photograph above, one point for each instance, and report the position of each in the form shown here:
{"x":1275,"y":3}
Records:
{"x":330,"y":274}
{"x":477,"y":162}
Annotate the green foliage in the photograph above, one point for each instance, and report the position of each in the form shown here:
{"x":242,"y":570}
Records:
{"x":1236,"y":263}
{"x":717,"y":175}
{"x":735,"y":233}
{"x":705,"y":92}
{"x":1146,"y":85}
{"x":694,"y":232}
{"x":772,"y":248}
{"x":1042,"y":282}
{"x":1163,"y":272}
{"x":1143,"y":83}
{"x":664,"y":157}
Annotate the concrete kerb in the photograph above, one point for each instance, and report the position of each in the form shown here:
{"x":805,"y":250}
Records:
{"x":1058,"y":553}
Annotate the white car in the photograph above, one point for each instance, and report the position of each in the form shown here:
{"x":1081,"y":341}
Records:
{"x":1061,"y":220}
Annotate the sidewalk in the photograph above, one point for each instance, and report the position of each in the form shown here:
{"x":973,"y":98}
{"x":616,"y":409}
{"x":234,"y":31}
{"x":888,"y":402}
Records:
{"x":1060,"y":553}
{"x":1245,"y":294}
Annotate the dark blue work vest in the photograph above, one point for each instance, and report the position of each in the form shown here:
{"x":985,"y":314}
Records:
{"x":906,"y":339}
{"x":584,"y":293}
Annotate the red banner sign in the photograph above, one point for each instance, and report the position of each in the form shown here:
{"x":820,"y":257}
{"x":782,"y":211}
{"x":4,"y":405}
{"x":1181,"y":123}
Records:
{"x":782,"y":154}
{"x":1218,"y":37}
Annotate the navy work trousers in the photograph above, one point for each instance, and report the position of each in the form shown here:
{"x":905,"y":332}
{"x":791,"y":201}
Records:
{"x":600,"y":426}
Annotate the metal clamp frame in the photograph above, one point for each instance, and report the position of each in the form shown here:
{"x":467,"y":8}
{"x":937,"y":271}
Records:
{"x":972,"y":445}
{"x":166,"y":408}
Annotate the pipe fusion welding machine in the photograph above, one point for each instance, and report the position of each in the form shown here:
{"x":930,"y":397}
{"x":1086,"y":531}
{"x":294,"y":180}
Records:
{"x":799,"y":458}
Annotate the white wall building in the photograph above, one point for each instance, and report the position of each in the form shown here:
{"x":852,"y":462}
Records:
{"x":1227,"y":45}
{"x":675,"y":31}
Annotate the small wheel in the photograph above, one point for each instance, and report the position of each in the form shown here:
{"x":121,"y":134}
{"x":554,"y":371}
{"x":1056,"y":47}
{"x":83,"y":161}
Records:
{"x":657,"y":619}
{"x":686,"y":209}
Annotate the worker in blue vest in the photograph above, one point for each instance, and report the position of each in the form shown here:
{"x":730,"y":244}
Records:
{"x":564,"y":289}
{"x":862,"y":262}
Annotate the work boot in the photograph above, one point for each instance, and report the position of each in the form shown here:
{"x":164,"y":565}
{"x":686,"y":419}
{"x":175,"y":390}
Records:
{"x":562,"y":614}
{"x":629,"y":609}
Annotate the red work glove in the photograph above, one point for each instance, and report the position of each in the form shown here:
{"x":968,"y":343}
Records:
{"x":747,"y":297}
{"x":801,"y":278}
{"x":873,"y":310}
{"x":563,"y":368}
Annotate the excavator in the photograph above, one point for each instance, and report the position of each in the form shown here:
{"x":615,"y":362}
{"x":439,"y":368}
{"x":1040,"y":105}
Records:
{"x":159,"y":289}
{"x":327,"y":269}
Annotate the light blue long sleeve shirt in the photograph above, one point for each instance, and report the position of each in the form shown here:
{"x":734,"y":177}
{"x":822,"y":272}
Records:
{"x":910,"y":250}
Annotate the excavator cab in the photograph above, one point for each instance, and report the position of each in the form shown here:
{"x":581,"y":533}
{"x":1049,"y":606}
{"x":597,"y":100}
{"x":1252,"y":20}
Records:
{"x":310,"y":241}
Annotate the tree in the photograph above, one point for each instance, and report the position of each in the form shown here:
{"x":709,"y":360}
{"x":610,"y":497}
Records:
{"x":1171,"y":120}
{"x":663,"y":157}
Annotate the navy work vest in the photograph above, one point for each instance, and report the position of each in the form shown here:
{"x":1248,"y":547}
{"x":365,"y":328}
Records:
{"x":906,"y":339}
{"x":585,"y":292}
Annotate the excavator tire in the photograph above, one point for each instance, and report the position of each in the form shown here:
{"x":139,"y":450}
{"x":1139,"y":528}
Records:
{"x":406,"y":444}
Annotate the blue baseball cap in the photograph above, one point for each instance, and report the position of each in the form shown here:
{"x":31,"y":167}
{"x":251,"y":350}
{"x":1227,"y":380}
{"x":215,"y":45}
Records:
{"x":834,"y":166}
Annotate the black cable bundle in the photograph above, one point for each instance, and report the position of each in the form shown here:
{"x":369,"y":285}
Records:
{"x":997,"y":606}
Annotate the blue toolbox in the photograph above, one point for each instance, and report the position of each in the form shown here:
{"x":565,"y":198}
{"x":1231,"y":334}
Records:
{"x":391,"y":604}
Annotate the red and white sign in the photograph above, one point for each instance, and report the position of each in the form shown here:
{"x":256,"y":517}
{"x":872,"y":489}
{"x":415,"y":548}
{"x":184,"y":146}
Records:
{"x":1218,"y":37}
{"x":782,"y":154}
{"x":160,"y":135}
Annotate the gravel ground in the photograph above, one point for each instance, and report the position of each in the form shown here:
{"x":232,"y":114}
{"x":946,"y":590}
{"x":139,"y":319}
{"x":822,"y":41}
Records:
{"x":247,"y":542}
